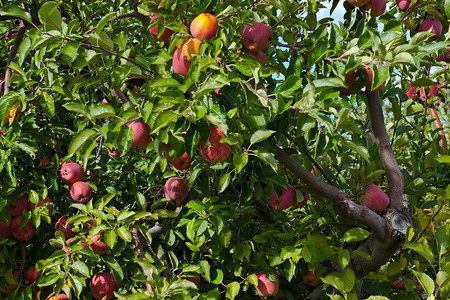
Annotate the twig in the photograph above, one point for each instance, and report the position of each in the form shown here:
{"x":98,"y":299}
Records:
{"x":288,"y":16}
{"x":136,"y":239}
{"x":429,"y":222}
{"x":12,"y":55}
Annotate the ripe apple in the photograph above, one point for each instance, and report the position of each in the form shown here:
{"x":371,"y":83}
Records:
{"x":23,"y":203}
{"x":154,"y":30}
{"x":398,"y":284}
{"x":374,"y":198}
{"x":43,"y":161}
{"x":444,"y":56}
{"x":22,"y":234}
{"x":176,"y":189}
{"x":191,"y":47}
{"x":204,"y":26}
{"x":60,"y":297}
{"x":265,"y":286}
{"x":5,"y":230}
{"x":180,"y":163}
{"x":218,"y":151}
{"x":403,"y":4}
{"x":311,"y":280}
{"x":412,"y":92}
{"x":369,"y":83}
{"x":358,"y":3}
{"x":258,"y":55}
{"x":141,"y":135}
{"x":434,"y":91}
{"x":257,"y":37}
{"x":287,"y":199}
{"x":97,"y":246}
{"x":71,"y":172}
{"x":80,"y":192}
{"x":434,"y":25}
{"x":46,"y":203}
{"x":103,"y":285}
{"x":66,"y":229}
{"x":31,"y":274}
{"x":180,"y":63}
{"x":350,"y":79}
{"x":378,"y":7}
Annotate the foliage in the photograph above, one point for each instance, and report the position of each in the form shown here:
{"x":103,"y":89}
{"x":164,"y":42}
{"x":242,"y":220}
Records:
{"x":75,"y":54}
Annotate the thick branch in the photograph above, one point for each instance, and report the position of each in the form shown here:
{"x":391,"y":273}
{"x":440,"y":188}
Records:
{"x":330,"y":192}
{"x":137,"y":242}
{"x":390,"y":165}
{"x":144,"y":19}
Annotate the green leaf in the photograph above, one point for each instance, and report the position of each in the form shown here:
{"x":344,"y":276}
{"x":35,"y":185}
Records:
{"x":82,"y":137}
{"x":48,"y":105}
{"x":443,"y":238}
{"x":355,"y":235}
{"x":16,"y":12}
{"x":240,"y":159}
{"x":81,"y":268}
{"x":343,"y":281}
{"x":289,"y":86}
{"x":164,"y":82}
{"x":163,"y":119}
{"x":422,"y":249}
{"x":267,"y":157}
{"x":206,"y":269}
{"x":116,"y":269}
{"x":101,"y":40}
{"x":70,"y":52}
{"x":110,"y":238}
{"x":124,"y":234}
{"x":343,"y":258}
{"x":232,"y":290}
{"x":362,"y":151}
{"x":261,"y":135}
{"x":444,"y":159}
{"x":76,"y":107}
{"x":104,"y":21}
{"x":327,"y":83}
{"x":31,"y":151}
{"x":50,"y":16}
{"x":426,"y":281}
{"x":447,"y":8}
{"x":224,"y":181}
{"x":101,"y":111}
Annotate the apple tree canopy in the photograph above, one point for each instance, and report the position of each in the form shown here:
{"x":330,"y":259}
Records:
{"x":329,"y":106}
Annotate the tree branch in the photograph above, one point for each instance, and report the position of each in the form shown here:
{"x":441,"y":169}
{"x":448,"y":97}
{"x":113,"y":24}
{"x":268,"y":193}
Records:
{"x":12,"y":54}
{"x":137,"y":242}
{"x":144,"y":19}
{"x":390,"y":165}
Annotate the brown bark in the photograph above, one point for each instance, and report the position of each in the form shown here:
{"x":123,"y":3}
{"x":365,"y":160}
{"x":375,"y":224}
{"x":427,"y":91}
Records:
{"x":438,"y":125}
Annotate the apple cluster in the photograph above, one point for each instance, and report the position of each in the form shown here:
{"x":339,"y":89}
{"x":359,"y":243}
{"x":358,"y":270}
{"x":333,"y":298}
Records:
{"x":256,"y":38}
{"x":378,"y":7}
{"x":203,"y":28}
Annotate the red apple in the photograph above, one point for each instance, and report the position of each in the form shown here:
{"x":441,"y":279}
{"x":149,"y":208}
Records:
{"x":98,"y":246}
{"x":265,"y":286}
{"x":141,"y":135}
{"x":32,"y":275}
{"x":311,"y":280}
{"x":398,"y":284}
{"x":287,"y":199}
{"x":47,"y":203}
{"x":181,"y":163}
{"x":60,"y":297}
{"x":350,"y":79}
{"x":218,"y":151}
{"x":358,"y":3}
{"x":176,"y":189}
{"x":43,"y":162}
{"x":257,"y":37}
{"x":80,"y":192}
{"x":444,"y":56}
{"x":22,"y":234}
{"x":434,"y":25}
{"x":154,"y":30}
{"x":378,"y":7}
{"x":23,"y":203}
{"x":5,"y":230}
{"x":403,"y":4}
{"x":412,"y":92}
{"x":66,"y":229}
{"x":434,"y":91}
{"x":191,"y":48}
{"x":71,"y":172}
{"x":204,"y":27}
{"x":258,"y":55}
{"x":374,"y":198}
{"x":103,"y":285}
{"x":180,"y":63}
{"x":369,"y":84}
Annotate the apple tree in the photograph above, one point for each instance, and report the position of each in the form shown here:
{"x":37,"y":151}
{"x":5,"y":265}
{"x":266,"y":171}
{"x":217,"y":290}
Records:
{"x":224,"y":149}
